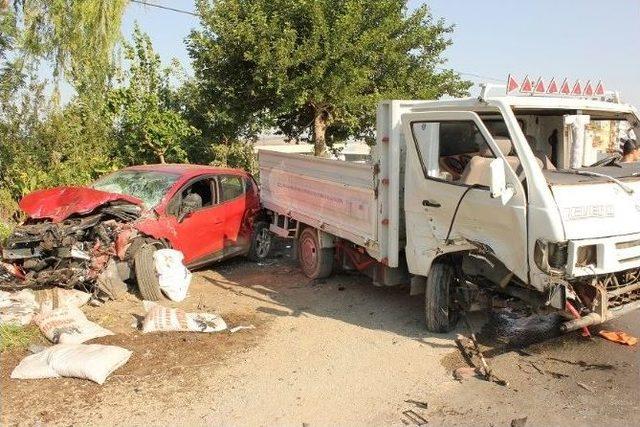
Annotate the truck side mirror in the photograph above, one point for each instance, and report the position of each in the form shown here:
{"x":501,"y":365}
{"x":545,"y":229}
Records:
{"x":499,"y":186}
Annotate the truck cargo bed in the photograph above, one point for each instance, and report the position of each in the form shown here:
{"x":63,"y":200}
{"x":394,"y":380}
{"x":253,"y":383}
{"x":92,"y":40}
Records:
{"x":336,"y":196}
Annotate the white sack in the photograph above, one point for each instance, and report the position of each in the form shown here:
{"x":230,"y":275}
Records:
{"x":164,"y":319}
{"x":68,"y":325}
{"x":93,"y":362}
{"x":59,"y":297}
{"x":173,"y":276}
{"x":18,"y":307}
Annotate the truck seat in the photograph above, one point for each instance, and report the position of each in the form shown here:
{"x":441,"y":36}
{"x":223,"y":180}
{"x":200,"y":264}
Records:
{"x":540,"y":154}
{"x":477,"y":170}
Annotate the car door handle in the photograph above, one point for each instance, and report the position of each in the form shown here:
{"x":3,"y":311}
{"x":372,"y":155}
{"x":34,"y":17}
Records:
{"x":430,"y":203}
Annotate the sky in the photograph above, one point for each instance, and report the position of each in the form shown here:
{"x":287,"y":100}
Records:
{"x":578,"y":39}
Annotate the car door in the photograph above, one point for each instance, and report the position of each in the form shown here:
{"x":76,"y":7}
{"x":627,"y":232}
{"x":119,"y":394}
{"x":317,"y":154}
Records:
{"x":232,"y":191}
{"x":444,"y":210}
{"x":199,"y":233}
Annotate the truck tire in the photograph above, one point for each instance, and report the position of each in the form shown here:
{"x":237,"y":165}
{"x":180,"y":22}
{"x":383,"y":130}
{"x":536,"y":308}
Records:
{"x":260,"y":241}
{"x":316,"y":262}
{"x":146,"y":275}
{"x":440,"y":315}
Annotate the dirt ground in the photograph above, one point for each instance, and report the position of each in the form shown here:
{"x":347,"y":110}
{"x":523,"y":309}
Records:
{"x":339,"y":351}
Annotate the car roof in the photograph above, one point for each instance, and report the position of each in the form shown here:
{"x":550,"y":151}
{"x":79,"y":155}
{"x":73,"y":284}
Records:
{"x":186,"y":170}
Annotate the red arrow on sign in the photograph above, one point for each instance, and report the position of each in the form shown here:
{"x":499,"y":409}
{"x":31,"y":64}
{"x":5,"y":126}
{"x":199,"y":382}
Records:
{"x":599,"y":89}
{"x":588,"y":89}
{"x":553,"y":87}
{"x":512,"y":84}
{"x":577,"y":88}
{"x":539,"y":87}
{"x":564,"y":88}
{"x":527,"y":86}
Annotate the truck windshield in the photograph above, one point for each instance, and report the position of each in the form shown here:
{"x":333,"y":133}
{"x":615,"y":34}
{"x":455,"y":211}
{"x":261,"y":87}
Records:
{"x":147,"y":186}
{"x":570,"y":139}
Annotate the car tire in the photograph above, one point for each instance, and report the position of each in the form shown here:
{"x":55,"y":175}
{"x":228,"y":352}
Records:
{"x":261,"y":239}
{"x":146,"y":275}
{"x":316,"y":262}
{"x":440,"y":312}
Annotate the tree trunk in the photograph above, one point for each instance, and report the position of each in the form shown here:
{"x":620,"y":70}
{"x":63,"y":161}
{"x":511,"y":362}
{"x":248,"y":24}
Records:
{"x":161,"y":157}
{"x":319,"y":131}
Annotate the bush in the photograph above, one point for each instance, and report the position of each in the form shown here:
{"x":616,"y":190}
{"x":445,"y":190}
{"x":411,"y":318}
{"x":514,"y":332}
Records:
{"x":236,"y":154}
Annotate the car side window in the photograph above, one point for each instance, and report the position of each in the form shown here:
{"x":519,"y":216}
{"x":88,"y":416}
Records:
{"x":446,"y":148}
{"x":231,"y":186}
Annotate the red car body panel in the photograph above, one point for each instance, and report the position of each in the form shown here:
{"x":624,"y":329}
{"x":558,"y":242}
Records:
{"x":58,"y":204}
{"x":207,"y":234}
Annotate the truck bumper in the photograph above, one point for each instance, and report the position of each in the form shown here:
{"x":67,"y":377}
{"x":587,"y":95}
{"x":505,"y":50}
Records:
{"x":595,"y":318}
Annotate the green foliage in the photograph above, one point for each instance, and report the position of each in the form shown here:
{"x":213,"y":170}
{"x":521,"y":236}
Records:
{"x":150,"y":130}
{"x":16,"y":337}
{"x":236,"y":154}
{"x":313,"y":64}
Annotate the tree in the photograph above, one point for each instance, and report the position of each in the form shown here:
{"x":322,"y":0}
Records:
{"x":314,"y":65}
{"x":149,"y":128}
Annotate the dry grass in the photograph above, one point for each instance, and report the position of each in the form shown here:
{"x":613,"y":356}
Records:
{"x":14,"y":336}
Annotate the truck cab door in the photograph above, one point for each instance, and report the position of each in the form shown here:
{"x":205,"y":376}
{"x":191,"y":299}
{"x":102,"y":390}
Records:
{"x":448,"y":201}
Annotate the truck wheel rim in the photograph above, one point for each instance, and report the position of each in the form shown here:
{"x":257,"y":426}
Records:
{"x":263,"y":243}
{"x":309,"y":254}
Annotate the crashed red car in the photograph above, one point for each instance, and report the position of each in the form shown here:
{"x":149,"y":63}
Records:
{"x":100,"y":236}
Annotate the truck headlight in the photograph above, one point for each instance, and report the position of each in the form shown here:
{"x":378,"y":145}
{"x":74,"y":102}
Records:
{"x":550,"y":256}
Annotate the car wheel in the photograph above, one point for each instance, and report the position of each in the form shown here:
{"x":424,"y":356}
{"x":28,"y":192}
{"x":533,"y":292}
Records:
{"x":441,"y":314}
{"x":146,"y":274}
{"x":316,"y":262}
{"x":260,"y":241}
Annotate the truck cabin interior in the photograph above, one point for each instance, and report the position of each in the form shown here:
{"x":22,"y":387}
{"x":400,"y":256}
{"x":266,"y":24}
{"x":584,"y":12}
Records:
{"x":464,"y":155}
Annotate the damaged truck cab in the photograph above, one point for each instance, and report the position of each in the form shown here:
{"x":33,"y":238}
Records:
{"x":523,"y":196}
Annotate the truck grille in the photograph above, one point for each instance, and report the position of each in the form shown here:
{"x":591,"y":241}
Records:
{"x":623,"y":288}
{"x":628,"y":251}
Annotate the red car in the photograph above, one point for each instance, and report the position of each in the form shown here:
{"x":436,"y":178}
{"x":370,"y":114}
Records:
{"x":72,"y":233}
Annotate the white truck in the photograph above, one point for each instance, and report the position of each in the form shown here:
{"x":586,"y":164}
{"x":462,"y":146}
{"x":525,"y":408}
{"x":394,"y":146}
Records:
{"x":520,"y":195}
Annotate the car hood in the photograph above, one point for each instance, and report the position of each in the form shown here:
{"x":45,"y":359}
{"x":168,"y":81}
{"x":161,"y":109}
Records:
{"x":57,"y":204}
{"x":597,"y":210}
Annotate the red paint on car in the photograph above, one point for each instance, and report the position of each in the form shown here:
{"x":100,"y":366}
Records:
{"x":57,"y":204}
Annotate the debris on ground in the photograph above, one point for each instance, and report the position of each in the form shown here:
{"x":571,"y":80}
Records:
{"x":519,"y":422}
{"x":241,"y":328}
{"x":618,"y":337}
{"x":586,"y":387}
{"x":93,"y":362}
{"x":18,"y":308}
{"x":68,"y":325}
{"x":414,"y":417}
{"x":164,"y":319}
{"x":465,"y":372}
{"x":174,"y":278}
{"x":71,"y":253}
{"x":472,"y":354}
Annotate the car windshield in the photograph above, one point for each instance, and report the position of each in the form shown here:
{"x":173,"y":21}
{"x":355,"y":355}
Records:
{"x":147,"y":186}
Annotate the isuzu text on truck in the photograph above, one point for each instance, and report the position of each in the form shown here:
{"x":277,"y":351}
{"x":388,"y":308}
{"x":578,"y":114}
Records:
{"x":521,"y":195}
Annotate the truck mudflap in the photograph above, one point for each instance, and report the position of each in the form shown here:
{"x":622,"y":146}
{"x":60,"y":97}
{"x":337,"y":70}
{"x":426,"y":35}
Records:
{"x":610,"y":296}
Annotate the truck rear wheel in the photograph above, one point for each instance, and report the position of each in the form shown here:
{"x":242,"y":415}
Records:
{"x":146,"y":275}
{"x":316,"y":262}
{"x":440,"y":312}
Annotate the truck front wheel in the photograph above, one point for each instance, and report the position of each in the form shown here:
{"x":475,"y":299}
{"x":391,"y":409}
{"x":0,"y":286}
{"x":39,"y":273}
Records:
{"x":316,"y":262}
{"x":440,"y":311}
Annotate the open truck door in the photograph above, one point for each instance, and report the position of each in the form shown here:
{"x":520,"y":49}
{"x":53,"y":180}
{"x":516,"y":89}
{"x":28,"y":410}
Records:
{"x":462,"y":192}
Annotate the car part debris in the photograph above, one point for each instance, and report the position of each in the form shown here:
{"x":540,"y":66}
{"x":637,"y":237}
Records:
{"x":586,"y":387}
{"x":68,"y":325}
{"x":618,"y":337}
{"x":18,"y":308}
{"x":72,"y":253}
{"x":164,"y":319}
{"x":241,"y":328}
{"x":173,"y":277}
{"x":110,"y":281}
{"x":415,"y":418}
{"x":519,"y":422}
{"x":93,"y":362}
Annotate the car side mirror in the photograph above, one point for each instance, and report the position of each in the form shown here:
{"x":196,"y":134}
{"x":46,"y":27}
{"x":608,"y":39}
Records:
{"x":499,"y":186}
